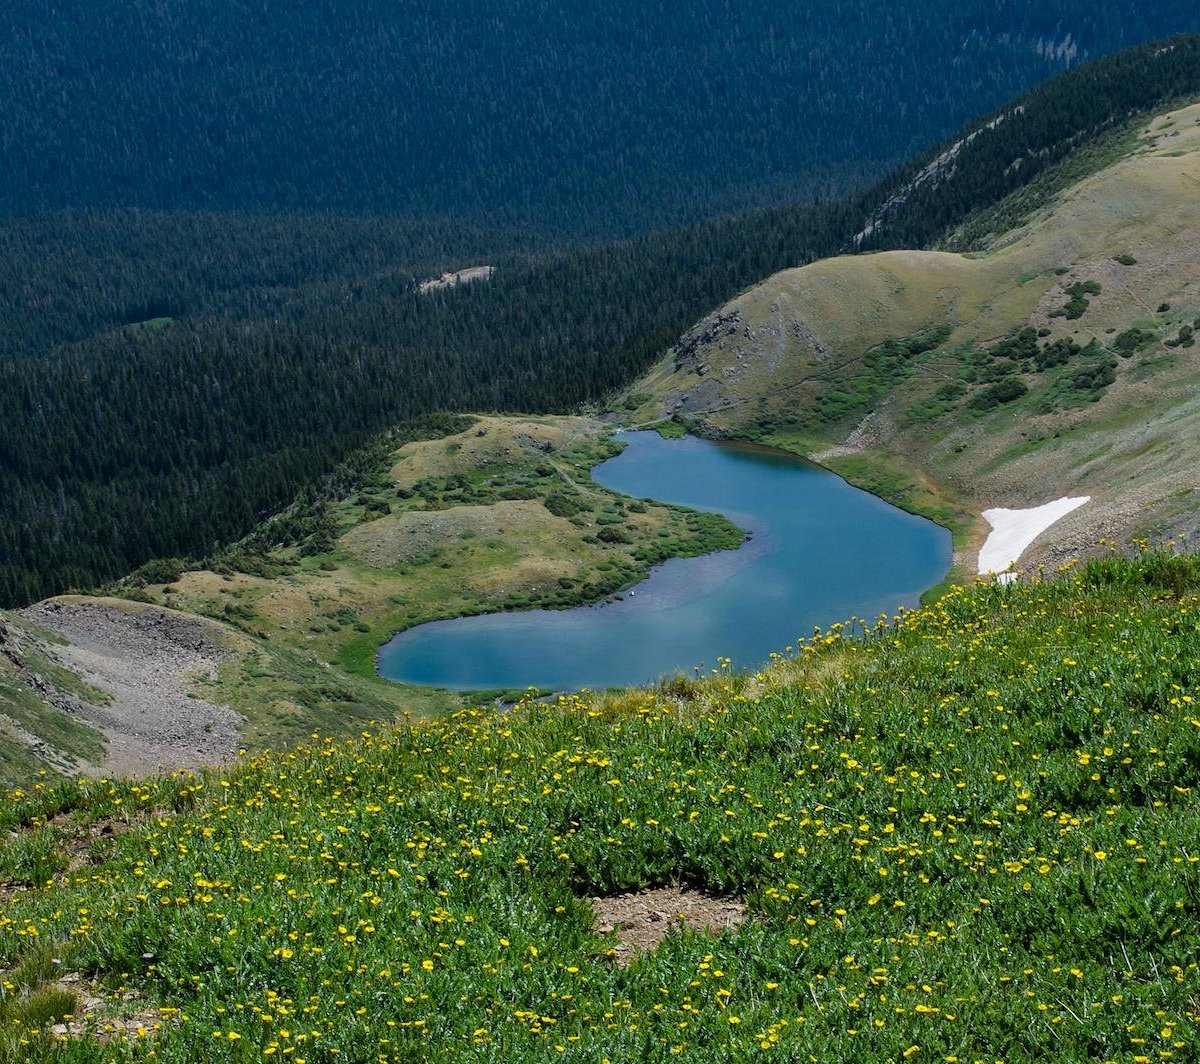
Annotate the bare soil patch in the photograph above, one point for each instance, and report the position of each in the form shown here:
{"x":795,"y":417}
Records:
{"x":10,"y":890}
{"x":642,"y":920}
{"x":103,"y":1018}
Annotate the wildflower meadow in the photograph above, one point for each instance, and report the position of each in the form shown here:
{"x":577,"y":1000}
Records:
{"x":967,"y":833}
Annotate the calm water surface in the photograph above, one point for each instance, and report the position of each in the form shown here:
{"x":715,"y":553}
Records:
{"x":821,"y":552}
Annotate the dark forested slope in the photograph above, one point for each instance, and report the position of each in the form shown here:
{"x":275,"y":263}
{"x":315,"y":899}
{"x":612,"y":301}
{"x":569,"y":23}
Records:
{"x":581,"y":116}
{"x":168,"y":378}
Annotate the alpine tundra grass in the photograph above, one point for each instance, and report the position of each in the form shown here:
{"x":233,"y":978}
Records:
{"x":970,"y":832}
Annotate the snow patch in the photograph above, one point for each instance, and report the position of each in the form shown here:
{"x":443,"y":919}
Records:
{"x":1013,"y":531}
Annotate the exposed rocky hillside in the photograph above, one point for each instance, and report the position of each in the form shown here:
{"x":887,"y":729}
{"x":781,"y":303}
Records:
{"x":102,"y":686}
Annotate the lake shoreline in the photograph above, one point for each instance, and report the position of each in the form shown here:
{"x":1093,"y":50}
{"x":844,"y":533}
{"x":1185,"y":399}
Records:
{"x":755,"y":477}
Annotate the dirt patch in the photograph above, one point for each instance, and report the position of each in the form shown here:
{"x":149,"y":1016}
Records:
{"x":105,"y":1019}
{"x":642,"y":920}
{"x":10,"y":890}
{"x":866,"y":434}
{"x":145,"y":659}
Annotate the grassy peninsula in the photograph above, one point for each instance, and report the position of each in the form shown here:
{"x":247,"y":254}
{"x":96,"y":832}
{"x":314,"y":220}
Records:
{"x":492,"y":513}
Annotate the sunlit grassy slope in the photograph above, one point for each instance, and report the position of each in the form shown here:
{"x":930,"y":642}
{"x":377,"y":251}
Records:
{"x":801,"y":359}
{"x":969,"y":834}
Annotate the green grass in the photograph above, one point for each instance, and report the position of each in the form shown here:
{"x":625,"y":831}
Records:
{"x":65,"y":733}
{"x":975,"y":832}
{"x":671,"y":429}
{"x":895,"y":480}
{"x":150,"y":323}
{"x":286,"y":694}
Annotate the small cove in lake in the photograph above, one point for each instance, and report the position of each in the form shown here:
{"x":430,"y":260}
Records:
{"x":821,"y":551}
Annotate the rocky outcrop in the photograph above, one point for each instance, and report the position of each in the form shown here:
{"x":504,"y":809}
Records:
{"x":453,"y":278}
{"x":803,"y":332}
{"x":704,"y":398}
{"x":688,"y":355}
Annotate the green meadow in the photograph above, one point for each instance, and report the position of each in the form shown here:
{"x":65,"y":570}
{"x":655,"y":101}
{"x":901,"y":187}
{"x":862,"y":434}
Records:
{"x":968,"y":833}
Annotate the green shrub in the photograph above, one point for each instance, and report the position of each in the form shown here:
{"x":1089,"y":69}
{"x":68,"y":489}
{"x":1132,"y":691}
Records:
{"x":564,"y":504}
{"x":1058,"y":353}
{"x":1186,"y":337}
{"x":1096,"y":377}
{"x":158,"y":571}
{"x":1078,"y":303}
{"x":1127,"y":343}
{"x":1004,"y":391}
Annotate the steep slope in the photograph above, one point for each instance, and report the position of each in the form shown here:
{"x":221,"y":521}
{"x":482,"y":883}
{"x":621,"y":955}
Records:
{"x":903,"y":357}
{"x":39,"y":701}
{"x":103,"y":685}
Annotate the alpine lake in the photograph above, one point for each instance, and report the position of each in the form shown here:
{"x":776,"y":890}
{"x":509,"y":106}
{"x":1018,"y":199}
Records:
{"x":820,"y":551}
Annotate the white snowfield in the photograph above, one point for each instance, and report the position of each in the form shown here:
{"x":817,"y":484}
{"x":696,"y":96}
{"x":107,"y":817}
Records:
{"x":1013,"y":531}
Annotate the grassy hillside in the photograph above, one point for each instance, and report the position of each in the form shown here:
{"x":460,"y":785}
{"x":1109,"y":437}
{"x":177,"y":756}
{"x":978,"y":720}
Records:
{"x":970,"y":834}
{"x":894,"y":368}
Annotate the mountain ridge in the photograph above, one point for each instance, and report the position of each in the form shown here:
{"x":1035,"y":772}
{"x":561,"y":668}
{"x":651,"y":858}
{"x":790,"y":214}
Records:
{"x":790,"y":361}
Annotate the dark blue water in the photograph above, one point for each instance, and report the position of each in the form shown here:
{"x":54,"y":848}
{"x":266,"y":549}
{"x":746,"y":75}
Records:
{"x":821,"y":552}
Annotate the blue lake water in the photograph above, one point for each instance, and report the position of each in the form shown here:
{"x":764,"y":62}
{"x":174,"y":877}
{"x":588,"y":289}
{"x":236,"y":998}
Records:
{"x":821,"y":551}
